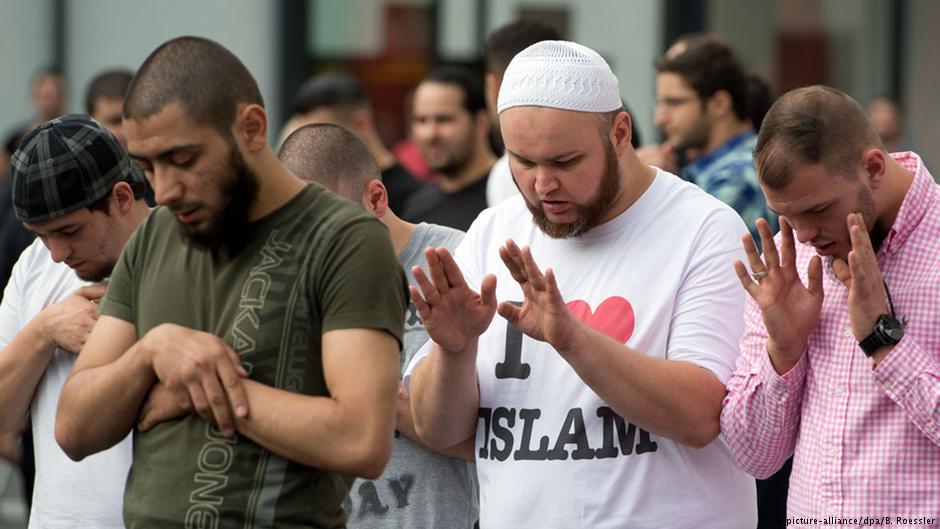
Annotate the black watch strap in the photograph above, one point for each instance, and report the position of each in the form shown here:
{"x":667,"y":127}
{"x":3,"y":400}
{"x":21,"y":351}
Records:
{"x":888,"y":331}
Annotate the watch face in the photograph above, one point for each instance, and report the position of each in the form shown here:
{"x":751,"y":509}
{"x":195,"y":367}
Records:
{"x":892,"y":328}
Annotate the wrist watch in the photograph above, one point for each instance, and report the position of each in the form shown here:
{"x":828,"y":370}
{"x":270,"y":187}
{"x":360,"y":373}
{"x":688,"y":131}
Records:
{"x":888,"y":331}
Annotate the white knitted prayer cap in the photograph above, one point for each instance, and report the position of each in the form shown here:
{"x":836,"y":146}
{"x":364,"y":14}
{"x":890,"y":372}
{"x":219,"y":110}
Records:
{"x":559,"y":74}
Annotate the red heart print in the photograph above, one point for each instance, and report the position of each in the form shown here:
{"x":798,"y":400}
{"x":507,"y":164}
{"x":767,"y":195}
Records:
{"x":613,"y":317}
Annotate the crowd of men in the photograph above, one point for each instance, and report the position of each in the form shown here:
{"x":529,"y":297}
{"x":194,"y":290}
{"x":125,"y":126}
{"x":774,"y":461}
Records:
{"x":307,"y":336}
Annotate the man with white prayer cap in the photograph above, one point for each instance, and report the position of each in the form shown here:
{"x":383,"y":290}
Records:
{"x":594,"y":398}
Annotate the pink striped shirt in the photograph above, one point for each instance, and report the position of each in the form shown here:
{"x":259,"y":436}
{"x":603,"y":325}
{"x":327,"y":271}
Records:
{"x":864,"y":442}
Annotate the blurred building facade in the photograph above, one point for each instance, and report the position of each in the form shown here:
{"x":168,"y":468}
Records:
{"x":864,"y":47}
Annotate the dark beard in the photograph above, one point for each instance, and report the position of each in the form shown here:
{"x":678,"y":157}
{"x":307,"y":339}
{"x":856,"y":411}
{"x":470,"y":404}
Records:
{"x":696,"y":137}
{"x":99,"y":275}
{"x":227,"y":228}
{"x":590,"y":215}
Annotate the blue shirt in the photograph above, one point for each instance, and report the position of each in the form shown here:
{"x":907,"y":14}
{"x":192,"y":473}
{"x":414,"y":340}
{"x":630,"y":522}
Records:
{"x":728,"y":173}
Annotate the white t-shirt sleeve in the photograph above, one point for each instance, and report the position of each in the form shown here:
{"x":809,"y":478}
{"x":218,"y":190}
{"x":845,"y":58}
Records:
{"x":11,"y":308}
{"x":708,"y":319}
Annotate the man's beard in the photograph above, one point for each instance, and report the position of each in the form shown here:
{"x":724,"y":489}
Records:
{"x":865,"y":204}
{"x":590,"y":215}
{"x":226,"y":227}
{"x":696,"y":137}
{"x":456,"y":161}
{"x":98,"y":275}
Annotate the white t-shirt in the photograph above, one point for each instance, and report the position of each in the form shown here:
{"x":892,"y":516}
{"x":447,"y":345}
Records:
{"x":500,"y":185}
{"x":66,"y":494}
{"x":549,"y":451}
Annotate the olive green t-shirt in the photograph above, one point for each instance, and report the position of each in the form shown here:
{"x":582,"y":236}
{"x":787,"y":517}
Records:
{"x":316,"y":264}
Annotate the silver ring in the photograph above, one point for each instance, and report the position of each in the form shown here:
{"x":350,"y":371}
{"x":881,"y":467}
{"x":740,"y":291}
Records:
{"x":759,"y":275}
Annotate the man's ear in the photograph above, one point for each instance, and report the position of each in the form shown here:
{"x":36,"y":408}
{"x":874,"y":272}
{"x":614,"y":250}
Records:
{"x":720,"y":104}
{"x":874,"y":167}
{"x":375,"y":198}
{"x":621,"y":131}
{"x":251,"y":126}
{"x":122,"y":199}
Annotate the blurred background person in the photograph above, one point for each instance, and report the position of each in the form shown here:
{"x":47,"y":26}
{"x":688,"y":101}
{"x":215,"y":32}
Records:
{"x":887,"y":118}
{"x":339,"y":99}
{"x":407,"y":151}
{"x":702,"y":108}
{"x":451,"y":127}
{"x":104,"y":100}
{"x":760,"y":97}
{"x":47,"y":96}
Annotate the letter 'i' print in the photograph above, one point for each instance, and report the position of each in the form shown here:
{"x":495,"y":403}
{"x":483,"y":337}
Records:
{"x":512,"y":366}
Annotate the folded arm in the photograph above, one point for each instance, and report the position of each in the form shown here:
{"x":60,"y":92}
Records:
{"x":350,"y":431}
{"x":102,"y":396}
{"x":24,"y":360}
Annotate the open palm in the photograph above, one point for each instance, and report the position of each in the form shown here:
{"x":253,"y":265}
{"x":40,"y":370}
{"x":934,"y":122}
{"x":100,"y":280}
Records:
{"x":790,"y":310}
{"x":453,"y":314}
{"x":543,"y":315}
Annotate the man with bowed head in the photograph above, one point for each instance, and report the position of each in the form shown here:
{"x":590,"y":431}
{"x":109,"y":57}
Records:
{"x":594,"y":400}
{"x":270,"y":310}
{"x":420,"y":488}
{"x":840,"y":363}
{"x":76,"y":188}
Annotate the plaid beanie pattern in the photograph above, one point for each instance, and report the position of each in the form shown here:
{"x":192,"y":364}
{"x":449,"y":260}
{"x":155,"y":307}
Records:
{"x":66,"y":164}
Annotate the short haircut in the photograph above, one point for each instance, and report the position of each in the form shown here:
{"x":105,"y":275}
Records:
{"x":203,"y":77}
{"x":504,"y":43}
{"x":110,"y":84}
{"x":470,"y":85}
{"x":709,"y":65}
{"x":331,"y":156}
{"x":810,"y":126}
{"x":339,"y":92}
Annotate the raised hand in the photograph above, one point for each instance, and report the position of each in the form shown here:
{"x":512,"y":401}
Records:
{"x":68,"y":323}
{"x":789,"y":309}
{"x":543,"y":314}
{"x":201,"y":370}
{"x":453,"y":314}
{"x":862,"y":276}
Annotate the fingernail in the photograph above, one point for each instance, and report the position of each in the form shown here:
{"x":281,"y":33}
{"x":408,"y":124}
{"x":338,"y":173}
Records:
{"x":241,"y":411}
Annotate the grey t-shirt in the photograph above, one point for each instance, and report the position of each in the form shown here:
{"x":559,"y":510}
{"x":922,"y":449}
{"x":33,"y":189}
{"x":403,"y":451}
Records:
{"x":419,"y":488}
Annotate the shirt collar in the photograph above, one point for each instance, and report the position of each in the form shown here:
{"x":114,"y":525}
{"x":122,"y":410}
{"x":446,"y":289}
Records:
{"x":918,"y":200}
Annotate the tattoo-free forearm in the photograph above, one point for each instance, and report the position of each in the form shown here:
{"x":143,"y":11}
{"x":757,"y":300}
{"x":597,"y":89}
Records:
{"x":675,"y":399}
{"x":445,"y":397}
{"x":22,"y":364}
{"x":319,"y":432}
{"x":99,"y":405}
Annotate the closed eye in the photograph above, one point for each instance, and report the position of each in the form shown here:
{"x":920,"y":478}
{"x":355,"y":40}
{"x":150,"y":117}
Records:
{"x":563,"y":164}
{"x":183,"y":162}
